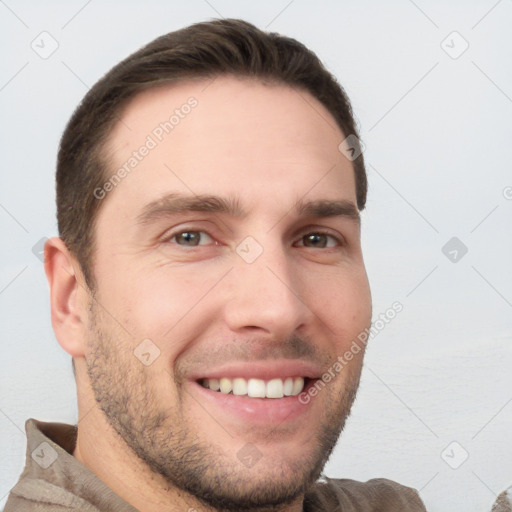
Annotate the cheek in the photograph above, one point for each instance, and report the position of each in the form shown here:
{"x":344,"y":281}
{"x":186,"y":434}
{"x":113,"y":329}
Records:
{"x":342,"y":301}
{"x":163,"y":304}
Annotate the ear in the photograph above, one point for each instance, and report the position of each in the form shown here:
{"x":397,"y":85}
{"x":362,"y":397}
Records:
{"x":68,"y":297}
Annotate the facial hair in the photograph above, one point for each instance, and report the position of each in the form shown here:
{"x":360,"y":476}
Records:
{"x":164,"y":438}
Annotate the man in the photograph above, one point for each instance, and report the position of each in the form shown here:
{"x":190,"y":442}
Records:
{"x":207,"y":280}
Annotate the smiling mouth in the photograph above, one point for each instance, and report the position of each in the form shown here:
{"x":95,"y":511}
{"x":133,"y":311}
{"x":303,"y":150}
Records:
{"x":257,"y":388}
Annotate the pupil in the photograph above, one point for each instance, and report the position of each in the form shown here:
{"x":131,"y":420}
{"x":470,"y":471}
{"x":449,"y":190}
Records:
{"x":189,"y":237}
{"x":314,"y":239}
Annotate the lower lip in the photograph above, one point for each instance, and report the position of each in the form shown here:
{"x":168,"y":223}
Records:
{"x":257,"y":410}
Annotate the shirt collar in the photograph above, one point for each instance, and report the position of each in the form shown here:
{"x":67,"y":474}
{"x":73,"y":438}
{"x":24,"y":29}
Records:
{"x":50,"y":459}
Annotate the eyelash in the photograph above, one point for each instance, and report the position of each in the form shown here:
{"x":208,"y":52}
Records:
{"x":340,"y":241}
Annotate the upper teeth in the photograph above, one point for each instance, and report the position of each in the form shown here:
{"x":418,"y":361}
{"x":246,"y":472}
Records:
{"x":256,"y":388}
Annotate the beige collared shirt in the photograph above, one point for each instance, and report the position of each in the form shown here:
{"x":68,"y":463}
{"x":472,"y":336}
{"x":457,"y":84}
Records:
{"x":53,"y":480}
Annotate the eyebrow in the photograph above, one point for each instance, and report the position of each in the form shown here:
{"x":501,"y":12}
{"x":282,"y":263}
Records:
{"x":175,"y":204}
{"x":329,"y":208}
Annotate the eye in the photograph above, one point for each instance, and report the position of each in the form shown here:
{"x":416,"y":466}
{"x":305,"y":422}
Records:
{"x":190,"y":238}
{"x":320,"y":240}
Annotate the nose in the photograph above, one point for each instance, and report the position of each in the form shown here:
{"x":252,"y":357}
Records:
{"x":266,"y":295}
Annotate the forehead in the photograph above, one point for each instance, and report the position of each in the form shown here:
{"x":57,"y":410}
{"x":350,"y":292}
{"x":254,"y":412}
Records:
{"x":228,"y":135}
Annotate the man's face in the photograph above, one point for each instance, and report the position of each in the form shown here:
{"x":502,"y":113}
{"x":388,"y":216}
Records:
{"x":269,"y":291}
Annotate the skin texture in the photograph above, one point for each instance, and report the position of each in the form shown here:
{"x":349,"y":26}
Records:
{"x":144,"y":430}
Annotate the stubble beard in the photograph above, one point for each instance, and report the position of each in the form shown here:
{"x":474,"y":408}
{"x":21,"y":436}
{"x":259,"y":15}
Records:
{"x":171,"y":447}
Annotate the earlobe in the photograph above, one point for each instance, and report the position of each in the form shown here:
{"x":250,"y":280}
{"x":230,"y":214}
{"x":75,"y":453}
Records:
{"x":67,"y":296}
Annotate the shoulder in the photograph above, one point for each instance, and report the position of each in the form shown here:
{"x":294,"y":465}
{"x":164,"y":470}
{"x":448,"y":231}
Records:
{"x":37,"y":495}
{"x":378,"y":494}
{"x":503,"y":502}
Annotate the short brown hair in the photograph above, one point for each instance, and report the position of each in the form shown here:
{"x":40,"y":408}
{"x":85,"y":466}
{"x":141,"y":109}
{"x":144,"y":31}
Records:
{"x":207,"y":49}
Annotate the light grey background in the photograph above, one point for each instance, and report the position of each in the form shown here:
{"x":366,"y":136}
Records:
{"x":437,"y":133}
